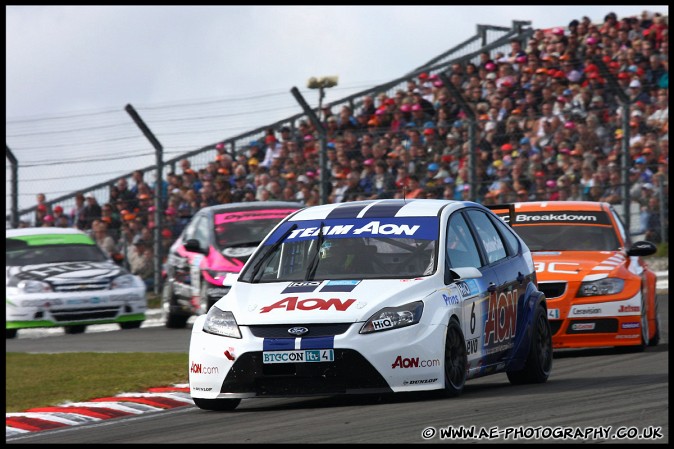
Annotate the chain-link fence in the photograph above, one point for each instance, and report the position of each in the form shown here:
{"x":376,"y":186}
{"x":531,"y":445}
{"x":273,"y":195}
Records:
{"x":508,"y":115}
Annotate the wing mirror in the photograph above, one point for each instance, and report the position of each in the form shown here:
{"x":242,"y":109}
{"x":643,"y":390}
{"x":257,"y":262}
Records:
{"x":456,"y":273}
{"x":193,"y":246}
{"x":642,"y":248}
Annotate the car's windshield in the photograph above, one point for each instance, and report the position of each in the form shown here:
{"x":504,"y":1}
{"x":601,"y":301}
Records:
{"x":19,"y":254}
{"x":561,"y":237}
{"x":245,"y":228}
{"x":347,"y":249}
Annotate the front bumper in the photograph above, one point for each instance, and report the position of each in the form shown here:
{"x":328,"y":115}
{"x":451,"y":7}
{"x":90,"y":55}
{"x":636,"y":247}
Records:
{"x":596,"y":324}
{"x":348,"y":373}
{"x":405,"y":359}
{"x":58,"y":309}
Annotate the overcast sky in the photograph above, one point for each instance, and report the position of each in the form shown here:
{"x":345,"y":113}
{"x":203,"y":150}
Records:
{"x":68,"y":60}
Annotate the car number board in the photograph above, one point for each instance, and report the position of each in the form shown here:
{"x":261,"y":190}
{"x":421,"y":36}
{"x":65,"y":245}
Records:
{"x":301,"y":356}
{"x":553,"y":314}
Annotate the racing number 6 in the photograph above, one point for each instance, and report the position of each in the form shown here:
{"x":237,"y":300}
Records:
{"x":472,"y":319}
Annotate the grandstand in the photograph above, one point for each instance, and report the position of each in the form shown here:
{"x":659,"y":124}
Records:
{"x":510,"y":114}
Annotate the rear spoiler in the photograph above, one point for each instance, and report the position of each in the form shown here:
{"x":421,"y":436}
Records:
{"x":506,"y":211}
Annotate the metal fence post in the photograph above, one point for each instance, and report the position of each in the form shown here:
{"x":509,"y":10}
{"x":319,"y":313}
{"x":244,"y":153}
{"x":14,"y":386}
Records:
{"x":158,"y":203}
{"x":15,"y":186}
{"x":324,"y":178}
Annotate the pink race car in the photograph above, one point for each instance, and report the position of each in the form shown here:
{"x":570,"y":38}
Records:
{"x":211,"y":251}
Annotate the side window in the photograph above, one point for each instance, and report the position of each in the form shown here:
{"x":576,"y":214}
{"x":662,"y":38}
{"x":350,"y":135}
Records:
{"x":197,"y":229}
{"x":486,"y":232}
{"x":461,"y":248}
{"x":512,"y":243}
{"x":201,"y":231}
{"x":621,"y":227}
{"x":190,"y":229}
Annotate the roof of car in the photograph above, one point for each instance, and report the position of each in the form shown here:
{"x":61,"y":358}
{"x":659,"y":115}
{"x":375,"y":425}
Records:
{"x":40,"y":231}
{"x":388,"y":208}
{"x":248,"y":205}
{"x":561,"y":206}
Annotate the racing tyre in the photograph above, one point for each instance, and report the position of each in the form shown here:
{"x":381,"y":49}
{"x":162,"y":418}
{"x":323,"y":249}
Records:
{"x":539,"y":361}
{"x":77,"y":329}
{"x":645,"y":331}
{"x":10,"y":333}
{"x":205,"y":303}
{"x":456,"y":360}
{"x":130,"y":324}
{"x":171,"y":320}
{"x":174,"y":321}
{"x":218,"y":405}
{"x":656,"y":337}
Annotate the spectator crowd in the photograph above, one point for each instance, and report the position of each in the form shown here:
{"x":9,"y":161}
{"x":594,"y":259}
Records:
{"x":549,"y":127}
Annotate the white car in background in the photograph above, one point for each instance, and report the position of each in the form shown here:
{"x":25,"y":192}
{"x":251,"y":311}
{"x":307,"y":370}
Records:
{"x":60,"y":277}
{"x":374,"y":297}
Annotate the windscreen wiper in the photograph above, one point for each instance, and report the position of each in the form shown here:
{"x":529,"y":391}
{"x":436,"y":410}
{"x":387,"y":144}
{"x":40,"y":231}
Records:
{"x":271,"y":249}
{"x":311,"y":271}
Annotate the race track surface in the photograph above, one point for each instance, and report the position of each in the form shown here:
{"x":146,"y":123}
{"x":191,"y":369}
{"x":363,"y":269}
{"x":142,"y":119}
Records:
{"x":600,"y":394}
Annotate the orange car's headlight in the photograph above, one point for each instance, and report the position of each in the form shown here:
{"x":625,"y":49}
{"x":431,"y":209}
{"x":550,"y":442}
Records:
{"x":602,"y":287}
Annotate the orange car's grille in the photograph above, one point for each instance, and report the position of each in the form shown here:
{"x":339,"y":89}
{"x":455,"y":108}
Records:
{"x":552,"y":289}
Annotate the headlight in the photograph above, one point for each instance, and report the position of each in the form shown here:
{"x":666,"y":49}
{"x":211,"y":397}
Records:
{"x":32,"y":286}
{"x":219,"y":322}
{"x":217,"y":275}
{"x":394,"y":317}
{"x":608,"y":286}
{"x":123,"y":281}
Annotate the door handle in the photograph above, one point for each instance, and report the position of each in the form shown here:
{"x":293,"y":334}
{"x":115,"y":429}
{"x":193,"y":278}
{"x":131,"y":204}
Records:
{"x":520,"y":277}
{"x":492,"y":287}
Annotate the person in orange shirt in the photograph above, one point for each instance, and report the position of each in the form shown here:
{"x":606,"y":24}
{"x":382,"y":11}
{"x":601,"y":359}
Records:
{"x":414,"y":189}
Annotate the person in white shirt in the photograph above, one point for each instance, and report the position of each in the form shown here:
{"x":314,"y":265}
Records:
{"x":273,"y":150}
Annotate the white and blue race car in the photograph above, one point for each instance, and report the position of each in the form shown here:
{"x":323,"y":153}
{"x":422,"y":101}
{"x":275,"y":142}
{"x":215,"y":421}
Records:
{"x":374,"y":297}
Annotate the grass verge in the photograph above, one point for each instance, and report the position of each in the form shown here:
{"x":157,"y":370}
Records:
{"x":81,"y":376}
{"x":663,"y":250}
{"x":153,"y":301}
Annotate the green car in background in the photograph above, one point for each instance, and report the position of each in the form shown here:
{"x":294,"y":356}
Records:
{"x":59,"y":277}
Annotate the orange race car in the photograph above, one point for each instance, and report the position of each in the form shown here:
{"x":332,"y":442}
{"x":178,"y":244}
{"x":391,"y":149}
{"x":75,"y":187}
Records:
{"x":599,"y":290}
